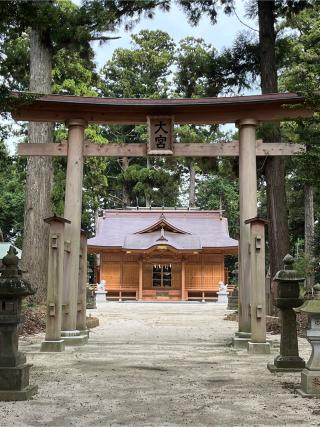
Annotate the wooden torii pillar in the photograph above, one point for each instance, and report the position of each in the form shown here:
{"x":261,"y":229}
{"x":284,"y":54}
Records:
{"x":72,"y":211}
{"x":248,"y":209}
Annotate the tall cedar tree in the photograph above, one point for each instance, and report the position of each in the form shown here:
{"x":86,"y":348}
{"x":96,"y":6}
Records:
{"x":275,"y":167}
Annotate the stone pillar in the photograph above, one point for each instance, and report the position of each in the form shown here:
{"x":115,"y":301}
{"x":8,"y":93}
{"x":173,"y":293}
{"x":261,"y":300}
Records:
{"x":183,"y":280}
{"x":310,"y":376}
{"x":14,"y":371}
{"x":140,"y":291}
{"x":72,"y":211}
{"x":287,"y":298}
{"x":82,"y":292}
{"x":258,"y":344}
{"x":248,"y":209}
{"x":53,"y":341}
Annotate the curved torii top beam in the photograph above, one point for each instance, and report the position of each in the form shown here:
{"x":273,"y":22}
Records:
{"x":61,"y":108}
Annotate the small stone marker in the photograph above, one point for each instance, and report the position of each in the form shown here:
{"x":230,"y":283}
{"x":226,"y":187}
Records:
{"x":14,"y":372}
{"x":310,"y":376}
{"x":287,"y":298}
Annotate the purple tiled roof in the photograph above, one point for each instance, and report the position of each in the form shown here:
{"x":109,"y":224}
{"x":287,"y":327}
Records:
{"x":199,"y":230}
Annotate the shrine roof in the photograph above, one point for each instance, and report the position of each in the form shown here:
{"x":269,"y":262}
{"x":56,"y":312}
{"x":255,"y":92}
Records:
{"x":60,"y":108}
{"x":144,"y":229}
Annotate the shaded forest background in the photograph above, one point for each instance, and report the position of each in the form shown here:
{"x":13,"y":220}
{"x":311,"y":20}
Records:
{"x":45,"y":46}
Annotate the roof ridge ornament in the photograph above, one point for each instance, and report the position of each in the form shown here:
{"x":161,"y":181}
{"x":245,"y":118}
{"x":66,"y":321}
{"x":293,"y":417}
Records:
{"x":162,"y":236}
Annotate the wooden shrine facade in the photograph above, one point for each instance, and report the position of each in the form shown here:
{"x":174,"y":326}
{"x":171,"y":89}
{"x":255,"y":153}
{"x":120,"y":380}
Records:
{"x":162,"y":255}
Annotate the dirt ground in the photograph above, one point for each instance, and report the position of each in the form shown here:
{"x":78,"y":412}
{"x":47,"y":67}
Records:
{"x":162,"y":364}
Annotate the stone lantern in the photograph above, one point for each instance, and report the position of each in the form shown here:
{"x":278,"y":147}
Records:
{"x":310,"y":376}
{"x":233,"y":299}
{"x":91,"y":297}
{"x":14,"y":372}
{"x":287,"y":298}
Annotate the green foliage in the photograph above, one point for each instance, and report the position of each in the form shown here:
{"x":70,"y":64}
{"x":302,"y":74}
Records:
{"x":12,"y":179}
{"x":197,"y":8}
{"x":305,"y":266}
{"x":195,"y":76}
{"x":215,"y":191}
{"x":141,"y":71}
{"x":302,"y":75}
{"x":153,"y":184}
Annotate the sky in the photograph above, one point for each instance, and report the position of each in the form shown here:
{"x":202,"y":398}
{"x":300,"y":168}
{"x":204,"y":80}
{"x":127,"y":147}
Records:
{"x":176,"y":25}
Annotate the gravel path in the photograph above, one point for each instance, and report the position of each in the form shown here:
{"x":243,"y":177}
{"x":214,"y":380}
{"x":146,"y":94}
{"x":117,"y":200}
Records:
{"x":162,"y":364}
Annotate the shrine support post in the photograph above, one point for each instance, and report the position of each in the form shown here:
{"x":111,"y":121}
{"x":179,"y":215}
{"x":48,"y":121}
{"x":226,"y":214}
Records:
{"x":183,"y":280}
{"x":140,"y":292}
{"x":72,"y":211}
{"x":248,"y":209}
{"x":258,"y":343}
{"x":53,"y":341}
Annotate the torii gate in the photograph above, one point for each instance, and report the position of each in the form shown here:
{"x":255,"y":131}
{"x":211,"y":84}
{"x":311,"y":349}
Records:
{"x":245,"y":111}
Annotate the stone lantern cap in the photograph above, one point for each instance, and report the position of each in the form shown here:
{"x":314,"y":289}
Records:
{"x":288,"y":274}
{"x":11,"y":282}
{"x":312,"y":306}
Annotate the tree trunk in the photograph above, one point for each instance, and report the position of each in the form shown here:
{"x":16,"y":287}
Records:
{"x":39,"y":175}
{"x":125,"y":194}
{"x":309,"y":230}
{"x":192,"y":185}
{"x":275,"y":167}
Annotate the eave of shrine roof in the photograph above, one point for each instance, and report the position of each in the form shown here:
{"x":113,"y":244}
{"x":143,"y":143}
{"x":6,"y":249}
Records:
{"x":162,"y":223}
{"x":148,"y":240}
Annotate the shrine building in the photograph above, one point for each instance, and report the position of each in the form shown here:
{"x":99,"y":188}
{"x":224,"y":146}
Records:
{"x":162,"y":254}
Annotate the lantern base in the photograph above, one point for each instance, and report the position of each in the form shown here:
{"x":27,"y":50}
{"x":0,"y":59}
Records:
{"x":273,"y":369}
{"x":15,"y":395}
{"x":14,"y":383}
{"x":287,"y":364}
